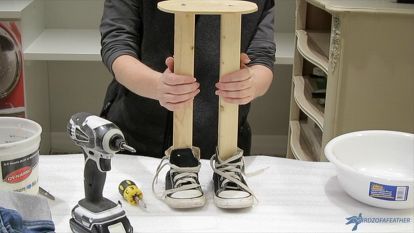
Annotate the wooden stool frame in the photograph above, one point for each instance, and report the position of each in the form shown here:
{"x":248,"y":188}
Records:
{"x":230,"y":37}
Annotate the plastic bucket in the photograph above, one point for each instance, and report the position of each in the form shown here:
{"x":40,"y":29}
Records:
{"x":19,"y":154}
{"x":375,"y":167}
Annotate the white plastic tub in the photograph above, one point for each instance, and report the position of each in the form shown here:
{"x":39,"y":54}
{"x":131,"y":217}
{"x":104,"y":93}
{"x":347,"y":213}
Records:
{"x":375,"y":167}
{"x":19,"y":154}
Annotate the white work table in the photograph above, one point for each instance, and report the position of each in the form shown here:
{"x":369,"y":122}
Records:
{"x":294,"y":196}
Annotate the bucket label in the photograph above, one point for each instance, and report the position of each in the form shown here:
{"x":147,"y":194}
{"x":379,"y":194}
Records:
{"x":388,"y":192}
{"x":18,"y":170}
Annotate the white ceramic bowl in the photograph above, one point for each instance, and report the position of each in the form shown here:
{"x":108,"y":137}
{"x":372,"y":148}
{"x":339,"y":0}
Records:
{"x":375,"y":167}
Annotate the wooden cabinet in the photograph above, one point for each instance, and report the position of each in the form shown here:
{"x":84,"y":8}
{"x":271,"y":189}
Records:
{"x":365,"y":49}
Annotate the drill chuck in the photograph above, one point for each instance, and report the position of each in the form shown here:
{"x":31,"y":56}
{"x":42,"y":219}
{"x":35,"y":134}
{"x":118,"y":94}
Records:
{"x":118,"y":143}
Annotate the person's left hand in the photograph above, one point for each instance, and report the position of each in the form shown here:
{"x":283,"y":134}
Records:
{"x":238,"y":87}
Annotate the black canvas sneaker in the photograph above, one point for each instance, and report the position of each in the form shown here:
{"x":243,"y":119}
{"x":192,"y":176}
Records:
{"x":182,"y":187}
{"x":230,"y":188}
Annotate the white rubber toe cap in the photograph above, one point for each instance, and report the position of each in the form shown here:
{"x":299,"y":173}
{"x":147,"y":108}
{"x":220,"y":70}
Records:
{"x":231,"y":194}
{"x":185,"y":194}
{"x":234,"y":203}
{"x":185,"y":203}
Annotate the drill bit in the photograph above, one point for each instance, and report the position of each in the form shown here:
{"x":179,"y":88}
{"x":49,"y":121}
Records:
{"x":124,"y":146}
{"x":140,"y":202}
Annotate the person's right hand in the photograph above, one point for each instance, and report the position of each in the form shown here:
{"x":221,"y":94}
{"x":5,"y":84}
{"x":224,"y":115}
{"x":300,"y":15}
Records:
{"x":176,"y":91}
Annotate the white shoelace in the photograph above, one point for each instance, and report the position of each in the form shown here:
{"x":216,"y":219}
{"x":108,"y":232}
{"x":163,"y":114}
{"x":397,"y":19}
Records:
{"x":230,"y":170}
{"x":185,"y":175}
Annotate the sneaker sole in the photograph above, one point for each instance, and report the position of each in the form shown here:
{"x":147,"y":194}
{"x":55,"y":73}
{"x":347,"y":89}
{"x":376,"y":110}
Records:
{"x":185,"y":203}
{"x":236,"y":203}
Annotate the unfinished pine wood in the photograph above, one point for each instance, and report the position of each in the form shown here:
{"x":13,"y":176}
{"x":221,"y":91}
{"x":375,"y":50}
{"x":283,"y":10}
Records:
{"x":229,"y":62}
{"x":230,"y":12}
{"x":183,"y":64}
{"x":208,"y":7}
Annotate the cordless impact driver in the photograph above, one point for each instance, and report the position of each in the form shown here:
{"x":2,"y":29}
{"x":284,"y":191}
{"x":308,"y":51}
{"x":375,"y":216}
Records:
{"x":99,"y":140}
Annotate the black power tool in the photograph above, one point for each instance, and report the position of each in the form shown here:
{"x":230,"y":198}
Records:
{"x":99,"y":139}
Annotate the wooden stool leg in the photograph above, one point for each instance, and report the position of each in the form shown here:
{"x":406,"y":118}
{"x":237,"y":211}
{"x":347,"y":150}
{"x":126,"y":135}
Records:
{"x":183,"y":64}
{"x":229,"y":62}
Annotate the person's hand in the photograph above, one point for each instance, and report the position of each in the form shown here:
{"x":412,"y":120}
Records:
{"x":176,"y":91}
{"x":238,"y":87}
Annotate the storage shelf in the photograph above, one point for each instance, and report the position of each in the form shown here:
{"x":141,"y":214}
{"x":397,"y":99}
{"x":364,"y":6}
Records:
{"x":84,"y":45}
{"x":12,"y":9}
{"x":10,"y":111}
{"x":299,"y":149}
{"x":312,"y":136}
{"x":65,"y":45}
{"x":303,"y":97}
{"x":314,"y":46}
{"x":285,"y":48}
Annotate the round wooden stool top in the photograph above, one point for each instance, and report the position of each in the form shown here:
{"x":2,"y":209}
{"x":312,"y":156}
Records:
{"x":207,"y":7}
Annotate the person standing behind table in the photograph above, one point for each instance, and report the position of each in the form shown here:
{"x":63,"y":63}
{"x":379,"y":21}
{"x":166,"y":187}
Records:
{"x":137,"y":48}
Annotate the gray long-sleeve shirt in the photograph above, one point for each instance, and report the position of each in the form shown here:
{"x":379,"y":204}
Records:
{"x":139,"y":29}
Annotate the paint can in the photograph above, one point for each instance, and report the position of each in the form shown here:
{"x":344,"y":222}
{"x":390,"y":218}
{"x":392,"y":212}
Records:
{"x":19,"y":154}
